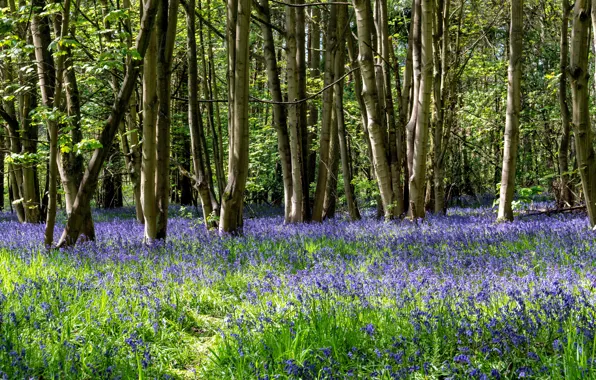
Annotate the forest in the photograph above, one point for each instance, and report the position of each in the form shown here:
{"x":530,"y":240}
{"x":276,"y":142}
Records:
{"x":297,"y":189}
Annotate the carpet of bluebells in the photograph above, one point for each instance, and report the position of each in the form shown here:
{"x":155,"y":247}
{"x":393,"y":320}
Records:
{"x":457,"y":297}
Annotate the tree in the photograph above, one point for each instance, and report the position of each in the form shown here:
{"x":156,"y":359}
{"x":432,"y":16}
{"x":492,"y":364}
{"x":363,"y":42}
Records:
{"x":88,"y":184}
{"x":578,"y":72}
{"x":370,"y":96}
{"x":513,"y":111}
{"x":279,"y":110}
{"x":420,"y":146}
{"x":238,"y":24}
{"x":340,"y":58}
{"x":566,"y":196}
{"x":195,"y":123}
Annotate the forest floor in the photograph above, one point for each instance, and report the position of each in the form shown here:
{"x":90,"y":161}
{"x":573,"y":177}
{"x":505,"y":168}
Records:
{"x":456,"y":296}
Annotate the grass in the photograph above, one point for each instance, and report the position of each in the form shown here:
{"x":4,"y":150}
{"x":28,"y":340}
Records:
{"x":451,"y":298}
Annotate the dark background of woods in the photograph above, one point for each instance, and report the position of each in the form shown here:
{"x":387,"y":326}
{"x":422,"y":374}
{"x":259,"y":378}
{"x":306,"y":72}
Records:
{"x":407,"y":106}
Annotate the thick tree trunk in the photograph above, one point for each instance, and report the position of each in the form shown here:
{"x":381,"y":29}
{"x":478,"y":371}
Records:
{"x":420,"y":148}
{"x":513,"y":111}
{"x":578,"y":71}
{"x":238,"y":37}
{"x":566,"y":196}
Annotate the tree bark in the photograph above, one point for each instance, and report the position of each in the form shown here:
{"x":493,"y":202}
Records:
{"x":279,"y":115}
{"x":297,"y":212}
{"x":167,"y":21}
{"x":325,"y":136}
{"x":201,"y":183}
{"x":88,"y":184}
{"x":420,"y":148}
{"x":233,"y":196}
{"x":149,"y":162}
{"x":340,"y":58}
{"x":440,"y":49}
{"x":566,"y":196}
{"x":330,"y":202}
{"x":370,"y":95}
{"x":579,"y":74}
{"x":513,"y":111}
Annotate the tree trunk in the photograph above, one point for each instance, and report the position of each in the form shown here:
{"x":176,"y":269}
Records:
{"x":340,"y":58}
{"x":325,"y":136}
{"x":416,"y":73}
{"x":566,"y":195}
{"x":440,"y":47}
{"x":370,"y":95}
{"x":148,"y":165}
{"x":314,"y":54}
{"x":2,"y":170}
{"x":88,"y":185}
{"x":513,"y":111}
{"x":279,"y":115}
{"x":130,"y":139}
{"x":217,"y":153}
{"x":238,"y":39}
{"x":330,"y":203}
{"x":167,"y":21}
{"x":420,"y":148}
{"x":194,"y":117}
{"x":578,"y":71}
{"x":297,"y":212}
{"x":301,"y":110}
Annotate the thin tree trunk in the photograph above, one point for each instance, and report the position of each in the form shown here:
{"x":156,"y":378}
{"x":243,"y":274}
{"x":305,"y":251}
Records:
{"x":217,"y":153}
{"x":566,"y":196}
{"x":370,"y":95}
{"x":233,"y":197}
{"x":314,"y":54}
{"x":167,"y":20}
{"x":201,"y":183}
{"x":297,"y":212}
{"x":279,"y":116}
{"x":416,"y":73}
{"x":330,"y":203}
{"x":385,"y":62}
{"x":513,"y":111}
{"x":148,"y":165}
{"x":325,"y":137}
{"x":440,"y":47}
{"x":418,"y":175}
{"x":131,"y":139}
{"x":89,"y":182}
{"x":340,"y":58}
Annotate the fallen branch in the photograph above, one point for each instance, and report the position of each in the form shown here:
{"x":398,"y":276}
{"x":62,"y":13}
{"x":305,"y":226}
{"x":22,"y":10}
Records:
{"x":554,"y":211}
